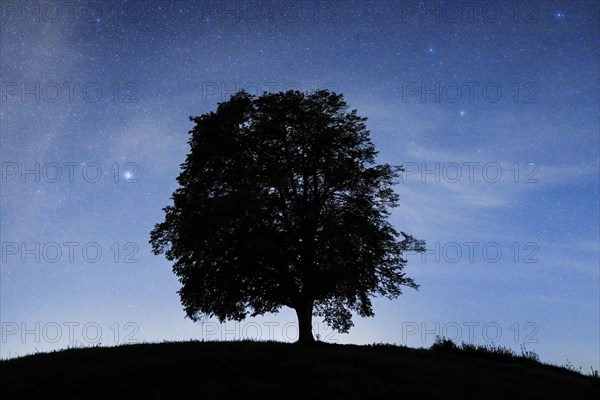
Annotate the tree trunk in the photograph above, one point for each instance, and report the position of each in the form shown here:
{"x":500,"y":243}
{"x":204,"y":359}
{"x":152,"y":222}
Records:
{"x":304,"y":313}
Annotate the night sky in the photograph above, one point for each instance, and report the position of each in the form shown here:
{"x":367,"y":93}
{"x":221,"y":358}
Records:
{"x":492,"y":107}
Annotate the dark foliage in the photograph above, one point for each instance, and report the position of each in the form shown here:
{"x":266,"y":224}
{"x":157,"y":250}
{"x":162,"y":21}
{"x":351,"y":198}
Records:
{"x":281,"y":203}
{"x":490,"y":351}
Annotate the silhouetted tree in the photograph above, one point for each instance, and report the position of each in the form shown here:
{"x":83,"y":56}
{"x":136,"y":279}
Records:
{"x":281,"y":203}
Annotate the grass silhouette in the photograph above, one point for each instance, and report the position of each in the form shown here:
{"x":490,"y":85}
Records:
{"x":272,"y":370}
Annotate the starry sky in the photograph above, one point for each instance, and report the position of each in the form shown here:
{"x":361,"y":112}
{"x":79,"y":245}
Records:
{"x":492,"y":107}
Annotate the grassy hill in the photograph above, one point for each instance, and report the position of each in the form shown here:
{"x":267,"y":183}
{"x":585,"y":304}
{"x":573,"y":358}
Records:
{"x":267,"y":370}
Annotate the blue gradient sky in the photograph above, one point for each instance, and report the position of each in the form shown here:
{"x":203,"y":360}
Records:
{"x":96,"y":96}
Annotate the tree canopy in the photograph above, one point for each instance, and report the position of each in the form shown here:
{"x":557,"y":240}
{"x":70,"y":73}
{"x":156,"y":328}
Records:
{"x":281,"y":203}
